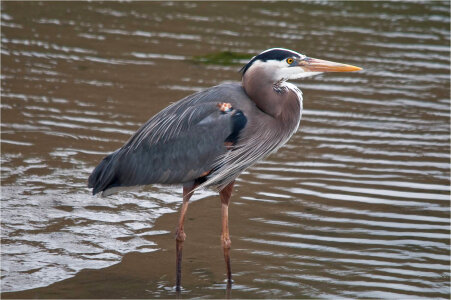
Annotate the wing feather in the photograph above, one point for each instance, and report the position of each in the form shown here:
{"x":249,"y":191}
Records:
{"x":177,"y":145}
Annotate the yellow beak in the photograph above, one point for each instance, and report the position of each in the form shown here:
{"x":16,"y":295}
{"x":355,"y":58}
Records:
{"x":318,"y":65}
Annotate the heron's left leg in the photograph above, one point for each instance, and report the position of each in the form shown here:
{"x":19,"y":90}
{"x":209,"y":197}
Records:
{"x":180,"y":235}
{"x":225,"y":195}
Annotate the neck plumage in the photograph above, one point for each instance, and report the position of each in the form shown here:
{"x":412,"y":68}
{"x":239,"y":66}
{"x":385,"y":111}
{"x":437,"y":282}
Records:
{"x":277,"y":99}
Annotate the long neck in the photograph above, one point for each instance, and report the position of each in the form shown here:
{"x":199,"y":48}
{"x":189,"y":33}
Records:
{"x":273,"y":99}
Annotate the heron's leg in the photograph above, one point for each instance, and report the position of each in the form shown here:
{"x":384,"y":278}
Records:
{"x":180,"y":235}
{"x":225,"y":195}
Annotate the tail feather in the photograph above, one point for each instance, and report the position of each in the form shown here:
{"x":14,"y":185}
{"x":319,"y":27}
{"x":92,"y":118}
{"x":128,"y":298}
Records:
{"x":103,"y":176}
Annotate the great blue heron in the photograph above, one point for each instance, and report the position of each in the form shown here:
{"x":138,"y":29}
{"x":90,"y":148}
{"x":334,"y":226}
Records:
{"x":207,"y":139}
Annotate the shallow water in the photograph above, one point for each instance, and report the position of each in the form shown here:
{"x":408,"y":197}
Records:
{"x":357,"y":204}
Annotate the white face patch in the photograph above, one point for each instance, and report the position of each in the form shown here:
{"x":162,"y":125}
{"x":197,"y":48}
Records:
{"x":281,"y":70}
{"x":295,"y":73}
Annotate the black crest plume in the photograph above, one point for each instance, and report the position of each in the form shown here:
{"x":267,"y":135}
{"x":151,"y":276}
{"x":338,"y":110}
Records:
{"x":272,"y":54}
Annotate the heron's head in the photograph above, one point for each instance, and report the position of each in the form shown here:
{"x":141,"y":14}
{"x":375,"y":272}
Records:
{"x":278,"y":64}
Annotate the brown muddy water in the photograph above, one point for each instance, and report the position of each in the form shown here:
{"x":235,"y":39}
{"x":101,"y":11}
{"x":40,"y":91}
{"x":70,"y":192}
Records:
{"x":356,"y":205}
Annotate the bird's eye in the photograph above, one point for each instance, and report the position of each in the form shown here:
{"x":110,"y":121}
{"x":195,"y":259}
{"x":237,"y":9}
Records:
{"x":290,"y":61}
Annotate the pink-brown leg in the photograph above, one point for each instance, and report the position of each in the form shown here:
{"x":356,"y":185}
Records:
{"x":180,"y":236}
{"x":225,"y":195}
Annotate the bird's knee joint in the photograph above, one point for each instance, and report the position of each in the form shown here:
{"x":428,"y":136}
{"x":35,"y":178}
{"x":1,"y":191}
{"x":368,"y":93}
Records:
{"x":180,"y":235}
{"x":226,"y":243}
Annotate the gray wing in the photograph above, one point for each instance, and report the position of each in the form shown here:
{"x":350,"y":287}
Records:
{"x":178,"y":145}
